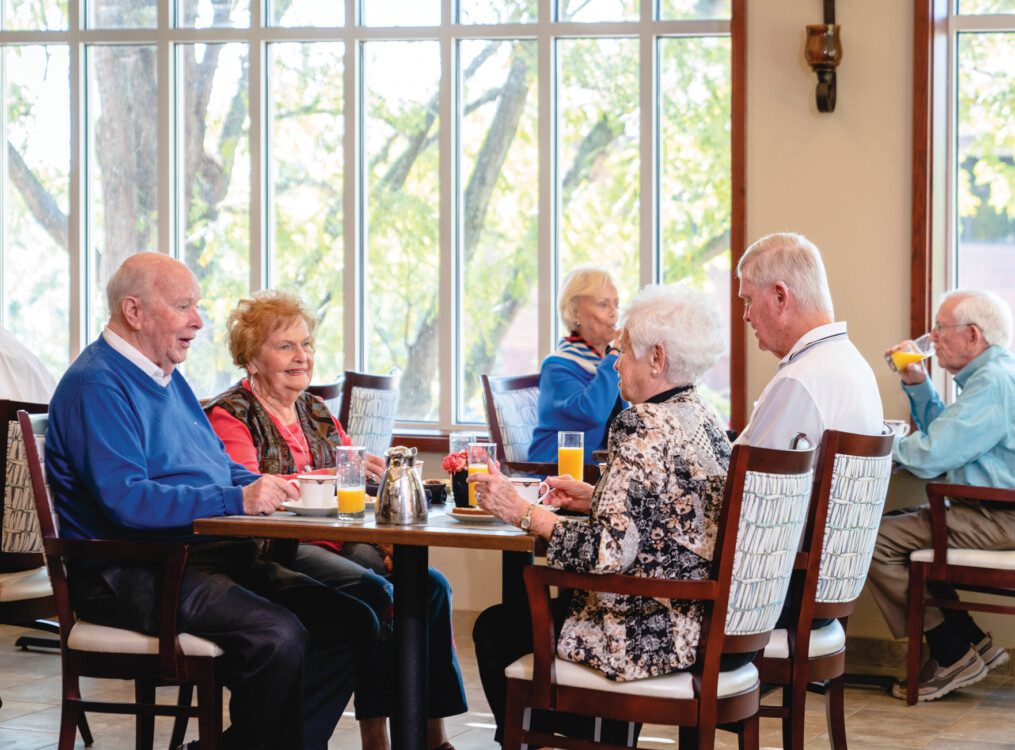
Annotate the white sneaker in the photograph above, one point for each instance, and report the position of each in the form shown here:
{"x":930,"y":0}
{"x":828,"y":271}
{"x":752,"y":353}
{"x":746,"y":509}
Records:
{"x":936,"y":681}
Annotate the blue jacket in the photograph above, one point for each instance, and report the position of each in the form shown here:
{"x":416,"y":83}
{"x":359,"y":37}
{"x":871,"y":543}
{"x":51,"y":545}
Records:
{"x":130,"y":459}
{"x":973,"y":439}
{"x":572,"y":398}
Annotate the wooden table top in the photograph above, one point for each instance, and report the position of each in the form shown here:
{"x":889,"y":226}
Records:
{"x":440,"y":531}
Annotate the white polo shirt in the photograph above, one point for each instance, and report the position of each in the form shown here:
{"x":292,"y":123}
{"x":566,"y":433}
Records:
{"x":822,"y":384}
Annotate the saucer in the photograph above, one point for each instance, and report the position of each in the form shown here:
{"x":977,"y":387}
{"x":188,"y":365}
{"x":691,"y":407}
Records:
{"x":300,"y":509}
{"x":473,"y":517}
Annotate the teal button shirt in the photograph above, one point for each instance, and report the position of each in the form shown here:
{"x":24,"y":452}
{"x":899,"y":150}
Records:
{"x":972,"y":441}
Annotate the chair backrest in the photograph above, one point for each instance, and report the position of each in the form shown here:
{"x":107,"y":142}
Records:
{"x":330,"y":393}
{"x":766,"y":499}
{"x":512,"y":412}
{"x":20,"y":545}
{"x":850,"y":486}
{"x":368,"y":410}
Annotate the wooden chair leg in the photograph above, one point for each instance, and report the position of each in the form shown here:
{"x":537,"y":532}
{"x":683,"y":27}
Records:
{"x":797,"y":713}
{"x":144,"y":725}
{"x":835,"y":712}
{"x":180,"y":722}
{"x":86,"y":733}
{"x":68,"y":725}
{"x":209,"y":714}
{"x":917,"y":573}
{"x":749,"y":734}
{"x":514,"y":715}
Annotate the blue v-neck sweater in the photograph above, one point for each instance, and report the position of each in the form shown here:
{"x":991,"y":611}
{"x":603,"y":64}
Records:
{"x":130,"y":459}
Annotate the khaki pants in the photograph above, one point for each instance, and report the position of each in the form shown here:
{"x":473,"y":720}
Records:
{"x":972,"y":526}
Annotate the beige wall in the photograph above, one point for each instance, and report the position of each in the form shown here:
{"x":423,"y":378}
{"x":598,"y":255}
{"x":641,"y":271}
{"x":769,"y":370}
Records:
{"x":843,"y":179}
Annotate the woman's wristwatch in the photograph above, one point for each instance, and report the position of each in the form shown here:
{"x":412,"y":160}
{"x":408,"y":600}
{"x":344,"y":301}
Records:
{"x":526,"y":521}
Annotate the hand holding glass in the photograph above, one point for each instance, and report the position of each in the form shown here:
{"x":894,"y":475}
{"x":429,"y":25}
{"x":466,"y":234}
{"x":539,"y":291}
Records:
{"x":910,"y":353}
{"x":350,"y":464}
{"x":480,"y":454}
{"x":571,"y":454}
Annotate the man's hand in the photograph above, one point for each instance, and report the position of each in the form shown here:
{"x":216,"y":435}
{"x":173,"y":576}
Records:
{"x":266,"y":495}
{"x":911,"y":374}
{"x":567,"y":493}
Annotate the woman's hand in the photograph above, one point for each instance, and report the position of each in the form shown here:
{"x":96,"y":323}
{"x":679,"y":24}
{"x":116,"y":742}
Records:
{"x":495,"y":494}
{"x":374,"y":467}
{"x":567,"y":493}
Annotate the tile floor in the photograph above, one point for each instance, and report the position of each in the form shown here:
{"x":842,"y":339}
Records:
{"x":979,"y":717}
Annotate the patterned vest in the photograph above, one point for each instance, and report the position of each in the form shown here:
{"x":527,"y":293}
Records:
{"x":273,"y":454}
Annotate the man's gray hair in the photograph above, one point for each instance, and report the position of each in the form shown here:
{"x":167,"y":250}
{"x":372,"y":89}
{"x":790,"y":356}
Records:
{"x":686,"y":323}
{"x":985,"y":310}
{"x":795,"y":261}
{"x":131,"y":279}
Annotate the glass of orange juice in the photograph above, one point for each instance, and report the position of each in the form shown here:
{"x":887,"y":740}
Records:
{"x":352,"y":491}
{"x":480,"y":454}
{"x":916,"y":351}
{"x":571,"y":454}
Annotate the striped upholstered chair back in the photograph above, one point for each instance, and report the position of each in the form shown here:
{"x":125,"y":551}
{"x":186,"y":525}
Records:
{"x":856,"y":493}
{"x":773,"y":509}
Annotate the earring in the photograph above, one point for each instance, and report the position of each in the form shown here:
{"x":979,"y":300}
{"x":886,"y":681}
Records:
{"x":654,"y":373}
{"x":577,"y":324}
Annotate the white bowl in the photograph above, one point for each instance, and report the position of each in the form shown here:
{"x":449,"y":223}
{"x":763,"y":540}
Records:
{"x":527,"y":487}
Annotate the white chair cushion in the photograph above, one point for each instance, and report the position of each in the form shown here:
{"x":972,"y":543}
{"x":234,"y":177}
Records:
{"x":25,"y":584}
{"x":824,"y":641}
{"x":674,"y":686}
{"x":973,"y":558}
{"x":86,"y":636}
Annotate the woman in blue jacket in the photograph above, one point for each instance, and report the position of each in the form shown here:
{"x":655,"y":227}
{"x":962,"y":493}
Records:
{"x":577,"y":383}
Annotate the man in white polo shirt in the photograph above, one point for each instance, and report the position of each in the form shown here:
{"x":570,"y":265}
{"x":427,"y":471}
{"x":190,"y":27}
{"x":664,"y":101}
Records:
{"x":823,"y":382}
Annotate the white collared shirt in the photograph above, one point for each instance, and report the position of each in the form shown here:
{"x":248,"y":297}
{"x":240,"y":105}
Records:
{"x":23,"y":377}
{"x":148,"y":367}
{"x":824,"y":383}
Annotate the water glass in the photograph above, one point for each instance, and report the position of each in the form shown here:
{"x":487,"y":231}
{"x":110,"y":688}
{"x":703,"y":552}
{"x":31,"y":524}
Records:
{"x":571,"y":454}
{"x":480,"y":454}
{"x":350,"y":469}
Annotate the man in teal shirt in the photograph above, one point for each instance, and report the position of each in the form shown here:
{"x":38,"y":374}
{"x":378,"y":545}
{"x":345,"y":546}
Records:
{"x":971,"y":441}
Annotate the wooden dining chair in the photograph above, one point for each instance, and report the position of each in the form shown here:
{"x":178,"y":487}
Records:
{"x":330,"y":393}
{"x":850,"y":485}
{"x":984,"y":571}
{"x":90,"y":650}
{"x":26,"y":598}
{"x":512,"y":408}
{"x":368,"y":409}
{"x":764,"y":509}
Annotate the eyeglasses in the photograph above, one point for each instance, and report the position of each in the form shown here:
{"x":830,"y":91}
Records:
{"x":938,"y":327}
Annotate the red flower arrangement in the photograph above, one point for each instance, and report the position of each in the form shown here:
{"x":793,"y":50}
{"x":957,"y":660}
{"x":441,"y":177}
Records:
{"x":454,"y":462}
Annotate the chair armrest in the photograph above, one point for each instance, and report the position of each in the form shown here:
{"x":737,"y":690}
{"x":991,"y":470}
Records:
{"x":170,"y":556}
{"x":936,"y":494}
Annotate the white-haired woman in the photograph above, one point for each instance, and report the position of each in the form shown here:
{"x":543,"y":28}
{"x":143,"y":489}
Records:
{"x":654,"y":512}
{"x":578,"y":382}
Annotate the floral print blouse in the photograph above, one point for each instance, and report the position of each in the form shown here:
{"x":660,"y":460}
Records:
{"x":654,"y":513}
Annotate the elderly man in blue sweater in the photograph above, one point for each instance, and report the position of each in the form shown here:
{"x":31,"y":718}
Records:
{"x":970,"y":441}
{"x":131,"y":455}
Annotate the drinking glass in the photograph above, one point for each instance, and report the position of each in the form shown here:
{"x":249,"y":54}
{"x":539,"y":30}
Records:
{"x":913,"y":352}
{"x":571,"y":454}
{"x":350,"y":463}
{"x":459,"y":441}
{"x":480,"y":454}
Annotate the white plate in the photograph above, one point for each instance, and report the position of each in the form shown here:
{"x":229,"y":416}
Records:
{"x":300,"y":509}
{"x":472,"y":518}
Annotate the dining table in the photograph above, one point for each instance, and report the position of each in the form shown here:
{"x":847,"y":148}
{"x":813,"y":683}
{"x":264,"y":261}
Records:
{"x":409,"y":574}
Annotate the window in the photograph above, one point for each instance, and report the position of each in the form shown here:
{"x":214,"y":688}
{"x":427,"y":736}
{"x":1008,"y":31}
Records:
{"x":422,"y":172}
{"x":981,"y":163}
{"x":963,"y":150}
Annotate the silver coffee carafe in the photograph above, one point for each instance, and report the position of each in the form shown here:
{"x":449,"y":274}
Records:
{"x":400,"y":496}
